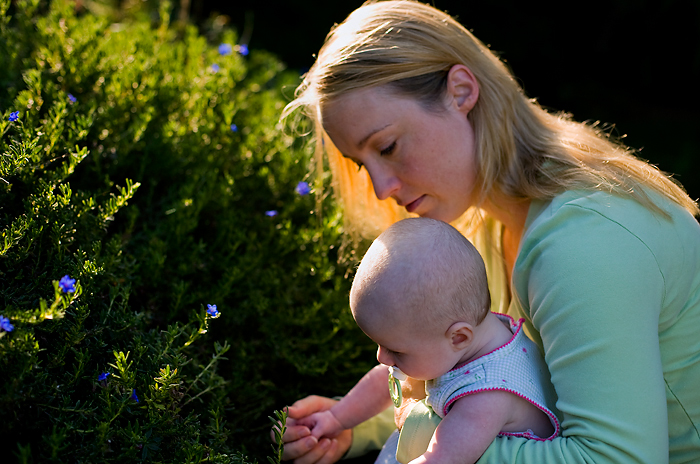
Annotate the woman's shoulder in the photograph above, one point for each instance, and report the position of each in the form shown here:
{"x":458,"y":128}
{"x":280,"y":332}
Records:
{"x":599,"y":227}
{"x":600,"y":209}
{"x":597,"y":247}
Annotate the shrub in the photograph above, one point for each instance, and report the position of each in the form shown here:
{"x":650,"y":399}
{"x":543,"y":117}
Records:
{"x":146,"y":163}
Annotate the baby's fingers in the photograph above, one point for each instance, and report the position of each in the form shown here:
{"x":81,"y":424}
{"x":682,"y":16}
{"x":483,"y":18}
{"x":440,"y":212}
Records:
{"x":292,"y":433}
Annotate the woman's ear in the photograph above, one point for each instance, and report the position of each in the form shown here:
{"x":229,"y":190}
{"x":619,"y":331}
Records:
{"x":460,"y":335}
{"x":462,"y":88}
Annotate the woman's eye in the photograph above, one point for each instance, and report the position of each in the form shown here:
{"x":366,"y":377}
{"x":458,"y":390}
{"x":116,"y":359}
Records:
{"x":388,"y":150}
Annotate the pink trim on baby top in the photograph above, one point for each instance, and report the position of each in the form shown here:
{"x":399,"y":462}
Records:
{"x":518,"y":326}
{"x":552,"y":417}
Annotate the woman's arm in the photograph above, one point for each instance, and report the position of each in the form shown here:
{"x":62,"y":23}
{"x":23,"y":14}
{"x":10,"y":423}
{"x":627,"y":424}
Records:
{"x":593,"y":289}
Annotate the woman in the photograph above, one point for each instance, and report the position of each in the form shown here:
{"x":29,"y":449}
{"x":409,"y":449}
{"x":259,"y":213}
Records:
{"x":598,"y":251}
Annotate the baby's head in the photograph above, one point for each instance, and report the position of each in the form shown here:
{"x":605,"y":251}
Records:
{"x":417,"y":279}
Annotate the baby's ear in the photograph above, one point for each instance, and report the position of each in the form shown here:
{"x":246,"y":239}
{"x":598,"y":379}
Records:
{"x":460,"y":335}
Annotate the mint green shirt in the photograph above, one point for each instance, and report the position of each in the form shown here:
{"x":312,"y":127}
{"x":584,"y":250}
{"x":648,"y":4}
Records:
{"x":611,"y":292}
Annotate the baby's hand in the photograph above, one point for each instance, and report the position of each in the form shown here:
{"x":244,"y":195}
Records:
{"x":322,"y":424}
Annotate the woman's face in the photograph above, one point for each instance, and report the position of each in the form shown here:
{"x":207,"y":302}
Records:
{"x":422,"y":159}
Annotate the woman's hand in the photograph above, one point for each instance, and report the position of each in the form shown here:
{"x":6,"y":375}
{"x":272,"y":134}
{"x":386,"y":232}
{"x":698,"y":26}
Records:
{"x":301,"y":446}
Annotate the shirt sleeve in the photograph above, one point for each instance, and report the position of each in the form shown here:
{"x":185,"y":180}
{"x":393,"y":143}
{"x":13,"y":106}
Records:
{"x":593,"y":290}
{"x":371,"y":434}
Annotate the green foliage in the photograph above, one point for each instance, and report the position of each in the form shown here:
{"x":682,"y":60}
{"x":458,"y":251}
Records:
{"x":279,"y":426}
{"x":142,"y":163}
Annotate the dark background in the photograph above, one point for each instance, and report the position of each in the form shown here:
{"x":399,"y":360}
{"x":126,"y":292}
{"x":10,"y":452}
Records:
{"x":631,"y":63}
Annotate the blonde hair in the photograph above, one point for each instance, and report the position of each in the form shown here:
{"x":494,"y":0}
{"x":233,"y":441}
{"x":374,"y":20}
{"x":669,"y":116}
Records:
{"x":522,"y":151}
{"x":424,"y":270}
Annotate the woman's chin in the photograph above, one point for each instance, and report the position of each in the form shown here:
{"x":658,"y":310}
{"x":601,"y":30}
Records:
{"x":438,"y":215}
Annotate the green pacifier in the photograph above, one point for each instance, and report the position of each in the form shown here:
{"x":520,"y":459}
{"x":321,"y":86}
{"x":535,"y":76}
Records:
{"x":395,"y":378}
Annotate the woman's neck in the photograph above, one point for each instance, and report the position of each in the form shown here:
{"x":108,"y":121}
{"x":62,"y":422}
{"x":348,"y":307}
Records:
{"x":512,"y":213}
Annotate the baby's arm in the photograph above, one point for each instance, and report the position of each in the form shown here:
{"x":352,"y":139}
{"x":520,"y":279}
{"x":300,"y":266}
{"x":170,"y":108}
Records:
{"x":368,"y":397}
{"x":469,"y":428}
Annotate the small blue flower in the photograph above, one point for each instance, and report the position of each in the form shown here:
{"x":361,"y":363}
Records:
{"x":5,"y":324}
{"x":67,"y":284}
{"x":72,"y":99}
{"x":215,"y":67}
{"x":225,"y":49}
{"x":243,"y":49}
{"x":303,"y":188}
{"x":212,"y":311}
{"x":271,"y":213}
{"x":234,"y":128}
{"x":133,"y":395}
{"x":14,"y":116}
{"x":103,"y":376}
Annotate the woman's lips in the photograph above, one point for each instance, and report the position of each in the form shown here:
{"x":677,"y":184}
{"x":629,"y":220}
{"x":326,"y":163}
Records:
{"x":411,"y":207}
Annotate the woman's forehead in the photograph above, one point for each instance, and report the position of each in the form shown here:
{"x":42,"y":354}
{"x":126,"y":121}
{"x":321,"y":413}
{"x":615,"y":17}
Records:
{"x":373,"y":96}
{"x":359,"y":114}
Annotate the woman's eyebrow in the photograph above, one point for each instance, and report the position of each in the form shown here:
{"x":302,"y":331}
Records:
{"x":364,"y":140}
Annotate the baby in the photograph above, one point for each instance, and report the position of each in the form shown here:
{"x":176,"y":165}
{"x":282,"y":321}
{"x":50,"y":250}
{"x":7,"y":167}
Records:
{"x":421,"y":294}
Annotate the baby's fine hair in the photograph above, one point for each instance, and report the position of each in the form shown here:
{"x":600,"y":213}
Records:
{"x":433,"y":270}
{"x":522,"y":150}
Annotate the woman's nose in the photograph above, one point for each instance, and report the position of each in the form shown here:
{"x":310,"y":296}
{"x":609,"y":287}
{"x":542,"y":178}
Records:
{"x":384,"y":181}
{"x":383,"y":357}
